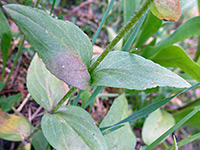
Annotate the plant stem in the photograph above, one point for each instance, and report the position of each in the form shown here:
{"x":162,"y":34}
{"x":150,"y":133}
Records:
{"x":16,"y":59}
{"x":67,"y":95}
{"x":52,"y":7}
{"x":33,"y":132}
{"x":122,"y":32}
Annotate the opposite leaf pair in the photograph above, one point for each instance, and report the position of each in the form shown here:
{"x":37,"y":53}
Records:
{"x":67,"y":51}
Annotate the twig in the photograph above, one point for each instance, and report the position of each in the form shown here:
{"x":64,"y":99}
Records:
{"x":35,"y":113}
{"x":24,"y":102}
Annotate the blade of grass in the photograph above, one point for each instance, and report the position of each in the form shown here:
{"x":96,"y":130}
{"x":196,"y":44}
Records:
{"x":6,"y":37}
{"x":175,"y":146}
{"x":198,"y":48}
{"x":172,"y":129}
{"x":77,"y":98}
{"x":148,"y":109}
{"x":92,"y":97}
{"x":37,"y":3}
{"x":131,"y":39}
{"x":52,"y":7}
{"x":103,"y":21}
{"x":186,"y":141}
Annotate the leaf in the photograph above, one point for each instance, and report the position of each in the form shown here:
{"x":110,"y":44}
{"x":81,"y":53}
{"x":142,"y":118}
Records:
{"x":63,"y":47}
{"x":193,"y":122}
{"x":111,"y":35}
{"x":143,"y":112}
{"x":7,"y":102}
{"x":13,"y":128}
{"x":133,"y":35}
{"x":124,"y":70}
{"x":177,"y":57}
{"x":151,"y":25}
{"x":72,"y":128}
{"x":169,"y":10}
{"x":116,"y":140}
{"x":43,"y":86}
{"x":1,"y":86}
{"x":172,"y":129}
{"x":6,"y":37}
{"x":130,"y":6}
{"x":39,"y":141}
{"x":155,"y":125}
{"x":187,"y":30}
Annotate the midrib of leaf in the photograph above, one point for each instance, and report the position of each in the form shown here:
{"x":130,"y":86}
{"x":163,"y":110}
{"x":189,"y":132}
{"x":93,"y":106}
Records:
{"x":82,"y":137}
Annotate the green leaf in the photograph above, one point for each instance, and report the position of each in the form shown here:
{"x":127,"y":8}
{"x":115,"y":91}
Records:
{"x":149,"y":109}
{"x":63,"y":47}
{"x":116,"y":140}
{"x":194,"y":120}
{"x":172,"y":129}
{"x":187,"y":30}
{"x":130,"y":6}
{"x":151,"y":25}
{"x":13,"y":128}
{"x":111,"y":35}
{"x":72,"y":128}
{"x":1,"y":86}
{"x":177,"y":57}
{"x":155,"y":125}
{"x":43,"y":86}
{"x":123,"y":70}
{"x":39,"y":141}
{"x":6,"y":37}
{"x":7,"y":102}
{"x":133,"y":35}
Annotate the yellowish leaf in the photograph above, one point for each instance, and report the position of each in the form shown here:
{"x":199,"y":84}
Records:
{"x":13,"y":128}
{"x":168,"y":10}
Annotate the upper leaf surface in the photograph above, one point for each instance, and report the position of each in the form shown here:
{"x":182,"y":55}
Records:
{"x":72,"y":128}
{"x":177,"y":57}
{"x":155,"y":125}
{"x":43,"y":86}
{"x":63,"y":47}
{"x":124,"y":70}
{"x":115,"y":139}
{"x":187,"y":30}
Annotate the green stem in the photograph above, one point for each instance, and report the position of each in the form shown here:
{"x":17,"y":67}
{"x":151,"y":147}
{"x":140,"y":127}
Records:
{"x":16,"y":60}
{"x":66,"y":96}
{"x":122,"y":32}
{"x":37,"y":3}
{"x":52,"y":7}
